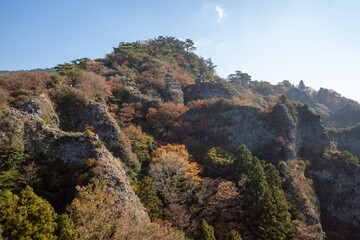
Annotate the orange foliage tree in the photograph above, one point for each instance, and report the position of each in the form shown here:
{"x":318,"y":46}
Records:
{"x":167,"y":118}
{"x":172,"y":171}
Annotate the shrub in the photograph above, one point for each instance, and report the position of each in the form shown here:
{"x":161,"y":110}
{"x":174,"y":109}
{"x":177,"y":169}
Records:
{"x":100,"y":143}
{"x":55,"y":81}
{"x":348,"y":157}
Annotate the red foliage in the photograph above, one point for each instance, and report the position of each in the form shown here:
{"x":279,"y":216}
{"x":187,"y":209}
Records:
{"x":167,"y":117}
{"x":23,"y":80}
{"x":153,"y":78}
{"x":126,"y":113}
{"x":4,"y":94}
{"x":177,"y":215}
{"x":90,"y":83}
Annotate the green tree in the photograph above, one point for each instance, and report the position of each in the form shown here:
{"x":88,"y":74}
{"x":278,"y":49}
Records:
{"x":286,"y":84}
{"x":348,"y":157}
{"x":56,"y":80}
{"x":189,"y":45}
{"x":146,"y":191}
{"x":301,"y":85}
{"x":272,"y":175}
{"x":267,"y":212}
{"x":28,"y":216}
{"x":66,"y":228}
{"x":243,"y":162}
{"x":206,"y":232}
{"x":233,"y":235}
{"x":218,"y":161}
{"x":141,"y":143}
{"x":11,"y":160}
{"x":283,"y":98}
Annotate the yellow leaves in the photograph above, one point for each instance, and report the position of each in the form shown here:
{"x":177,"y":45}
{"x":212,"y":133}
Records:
{"x":177,"y":152}
{"x":169,"y":152}
{"x":192,"y":171}
{"x":91,"y":162}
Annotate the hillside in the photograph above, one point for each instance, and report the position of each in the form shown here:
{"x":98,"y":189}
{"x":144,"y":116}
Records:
{"x":149,"y":143}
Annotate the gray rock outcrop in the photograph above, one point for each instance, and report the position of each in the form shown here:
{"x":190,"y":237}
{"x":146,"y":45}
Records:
{"x":206,"y":90}
{"x":40,"y":136}
{"x":347,"y":139}
{"x":256,"y":129}
{"x":337,"y":186}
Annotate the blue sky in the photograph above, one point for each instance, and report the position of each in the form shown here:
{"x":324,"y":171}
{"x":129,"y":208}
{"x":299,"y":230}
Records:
{"x":317,"y":41}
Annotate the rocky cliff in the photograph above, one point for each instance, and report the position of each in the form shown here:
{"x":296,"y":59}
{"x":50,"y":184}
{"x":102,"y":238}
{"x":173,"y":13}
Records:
{"x":37,"y":126}
{"x":348,"y":116}
{"x":206,"y":90}
{"x":347,"y":139}
{"x":338,"y":190}
{"x":291,"y":129}
{"x":97,"y":115}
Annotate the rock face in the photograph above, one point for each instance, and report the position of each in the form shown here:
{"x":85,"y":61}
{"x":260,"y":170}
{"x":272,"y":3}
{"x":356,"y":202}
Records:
{"x":173,"y":92}
{"x":256,"y":129}
{"x":40,"y":136}
{"x":347,"y":139}
{"x":338,"y":189}
{"x":348,"y":116}
{"x":43,"y":108}
{"x":296,"y":95}
{"x":310,"y":132}
{"x":206,"y":90}
{"x":97,"y":115}
{"x":299,"y":192}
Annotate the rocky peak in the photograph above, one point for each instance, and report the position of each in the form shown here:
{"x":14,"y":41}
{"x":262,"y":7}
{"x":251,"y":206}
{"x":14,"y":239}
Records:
{"x":297,"y":95}
{"x":43,"y":108}
{"x":96,"y":114}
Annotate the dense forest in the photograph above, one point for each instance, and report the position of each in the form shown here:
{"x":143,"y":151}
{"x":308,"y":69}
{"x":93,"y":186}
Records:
{"x":149,"y":143}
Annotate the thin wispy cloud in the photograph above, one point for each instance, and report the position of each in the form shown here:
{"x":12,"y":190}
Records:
{"x":203,"y":42}
{"x":221,"y":12}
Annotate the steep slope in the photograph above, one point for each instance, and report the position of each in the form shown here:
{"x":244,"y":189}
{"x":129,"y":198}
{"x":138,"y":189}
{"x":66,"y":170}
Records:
{"x":346,"y":139}
{"x":347,"y":116}
{"x":45,"y":138}
{"x":337,"y":188}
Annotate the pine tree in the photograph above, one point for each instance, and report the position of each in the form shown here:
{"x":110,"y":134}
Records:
{"x":206,"y":232}
{"x":301,"y":85}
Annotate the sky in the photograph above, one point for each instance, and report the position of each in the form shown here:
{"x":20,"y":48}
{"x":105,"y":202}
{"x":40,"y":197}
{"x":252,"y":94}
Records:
{"x":317,"y":41}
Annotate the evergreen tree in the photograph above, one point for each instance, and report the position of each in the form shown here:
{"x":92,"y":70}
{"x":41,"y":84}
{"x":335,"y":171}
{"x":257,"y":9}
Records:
{"x":28,"y":216}
{"x":267,"y":211}
{"x":301,"y":85}
{"x":233,"y":235}
{"x":272,"y":175}
{"x":243,"y":162}
{"x":218,"y":162}
{"x":206,"y":232}
{"x":146,"y":191}
{"x":283,"y":98}
{"x":66,"y":228}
